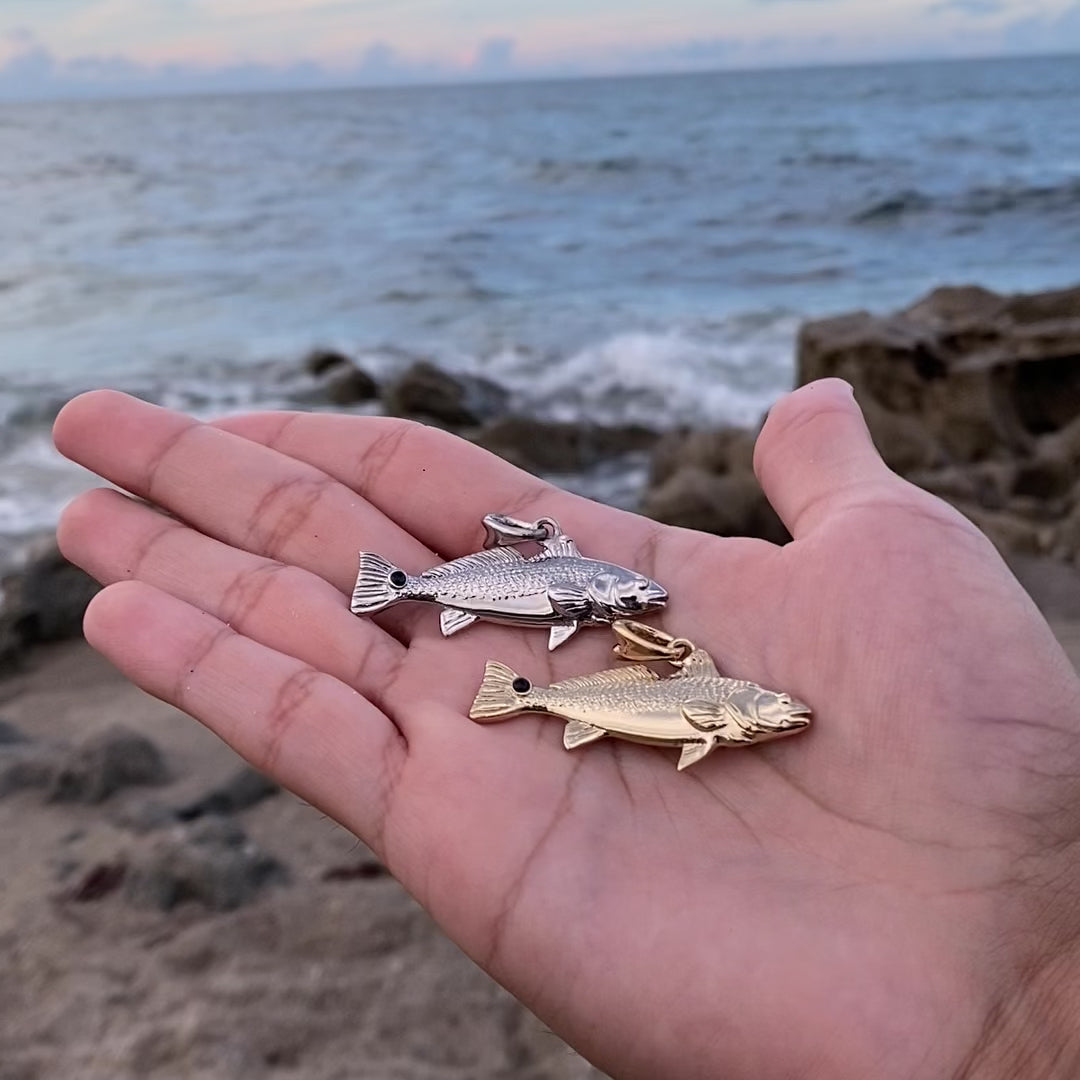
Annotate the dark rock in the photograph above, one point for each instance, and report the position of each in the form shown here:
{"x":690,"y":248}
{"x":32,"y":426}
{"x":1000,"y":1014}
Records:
{"x":212,"y":863}
{"x":26,"y":766}
{"x":988,"y":485}
{"x":243,"y":789}
{"x":319,"y":361}
{"x":542,"y":446}
{"x":10,"y":734}
{"x":722,"y":451}
{"x":99,"y":881}
{"x":425,"y":392}
{"x":338,"y":381}
{"x":974,"y":396}
{"x":143,"y":815}
{"x":1044,"y":479}
{"x":732,"y":505}
{"x":105,"y":764}
{"x":350,"y":387}
{"x":42,"y":602}
{"x":365,"y":870}
{"x":1063,"y":445}
{"x":985,"y":373}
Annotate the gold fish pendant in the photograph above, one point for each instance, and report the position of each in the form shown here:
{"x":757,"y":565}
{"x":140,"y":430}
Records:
{"x":696,"y":709}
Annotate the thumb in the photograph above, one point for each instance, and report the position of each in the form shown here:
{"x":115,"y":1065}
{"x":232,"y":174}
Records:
{"x":815,"y":456}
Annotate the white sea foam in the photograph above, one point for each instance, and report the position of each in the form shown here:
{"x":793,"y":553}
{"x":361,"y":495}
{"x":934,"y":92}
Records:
{"x":682,"y":377}
{"x":708,"y":374}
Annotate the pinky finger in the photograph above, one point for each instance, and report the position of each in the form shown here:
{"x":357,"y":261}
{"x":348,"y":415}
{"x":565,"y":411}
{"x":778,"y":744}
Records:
{"x":312,"y":733}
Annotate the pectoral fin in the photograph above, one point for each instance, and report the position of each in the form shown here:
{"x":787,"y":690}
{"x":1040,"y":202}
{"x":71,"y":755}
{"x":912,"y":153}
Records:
{"x":559,"y":634}
{"x":578,"y":733}
{"x":694,"y":752}
{"x":452,"y":621}
{"x":705,"y":715}
{"x":568,"y":600}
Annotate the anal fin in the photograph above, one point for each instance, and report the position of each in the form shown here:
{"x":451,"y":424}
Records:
{"x":694,"y":752}
{"x":452,"y":621}
{"x":578,"y":733}
{"x":559,"y":634}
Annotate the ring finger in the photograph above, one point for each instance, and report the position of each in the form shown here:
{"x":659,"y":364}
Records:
{"x":282,"y":607}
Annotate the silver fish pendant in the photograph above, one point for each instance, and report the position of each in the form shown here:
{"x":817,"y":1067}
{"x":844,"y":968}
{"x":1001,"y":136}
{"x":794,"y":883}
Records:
{"x":557,"y":587}
{"x":696,"y":709}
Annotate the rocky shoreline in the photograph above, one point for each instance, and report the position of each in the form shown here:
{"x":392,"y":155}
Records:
{"x":971,"y":395}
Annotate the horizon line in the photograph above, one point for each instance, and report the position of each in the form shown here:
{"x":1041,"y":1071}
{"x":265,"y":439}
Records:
{"x":473,"y":80}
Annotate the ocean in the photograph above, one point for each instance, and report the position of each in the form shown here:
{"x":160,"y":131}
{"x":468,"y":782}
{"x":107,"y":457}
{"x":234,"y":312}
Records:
{"x":624,"y":249}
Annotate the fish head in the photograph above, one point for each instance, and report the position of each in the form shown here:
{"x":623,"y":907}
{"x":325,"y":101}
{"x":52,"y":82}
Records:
{"x":765,"y":714}
{"x":616,"y":592}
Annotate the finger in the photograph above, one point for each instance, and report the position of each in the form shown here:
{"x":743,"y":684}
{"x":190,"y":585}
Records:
{"x":815,"y":457}
{"x":389,"y":456}
{"x":287,"y":609}
{"x":309,"y":731}
{"x":232,"y":489}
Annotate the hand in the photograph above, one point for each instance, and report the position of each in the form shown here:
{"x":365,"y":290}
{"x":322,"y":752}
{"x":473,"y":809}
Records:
{"x":892,"y":894}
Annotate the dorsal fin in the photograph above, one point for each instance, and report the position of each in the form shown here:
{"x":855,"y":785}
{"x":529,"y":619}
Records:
{"x":698,"y":663}
{"x":558,"y":547}
{"x":482,"y":560}
{"x":613,"y":677}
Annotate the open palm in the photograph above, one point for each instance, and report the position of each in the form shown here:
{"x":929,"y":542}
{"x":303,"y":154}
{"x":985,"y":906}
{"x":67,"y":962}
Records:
{"x":874,"y":898}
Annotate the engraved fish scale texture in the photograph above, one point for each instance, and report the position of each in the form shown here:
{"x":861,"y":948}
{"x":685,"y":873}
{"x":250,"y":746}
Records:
{"x":642,"y":694}
{"x":506,"y":578}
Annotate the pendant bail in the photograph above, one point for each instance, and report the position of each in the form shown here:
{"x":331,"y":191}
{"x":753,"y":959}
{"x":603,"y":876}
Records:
{"x":639,"y":643}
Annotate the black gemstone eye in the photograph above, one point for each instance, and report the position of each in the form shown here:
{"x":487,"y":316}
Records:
{"x":522,"y":686}
{"x":399,"y":579}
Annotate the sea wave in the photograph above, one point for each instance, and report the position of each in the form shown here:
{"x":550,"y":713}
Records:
{"x":981,"y":200}
{"x":705,"y":373}
{"x":560,"y":171}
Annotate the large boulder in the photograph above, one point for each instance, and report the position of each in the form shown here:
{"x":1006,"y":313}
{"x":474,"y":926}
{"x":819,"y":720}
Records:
{"x":726,"y":505}
{"x":974,"y":396}
{"x":426,"y":392}
{"x":545,"y":446}
{"x":985,"y":374}
{"x":704,"y":480}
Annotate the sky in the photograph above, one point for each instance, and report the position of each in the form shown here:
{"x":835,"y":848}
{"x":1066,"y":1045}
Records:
{"x":61,"y":48}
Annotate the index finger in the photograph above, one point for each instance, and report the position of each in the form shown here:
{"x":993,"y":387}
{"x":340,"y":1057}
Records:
{"x":439,"y":487}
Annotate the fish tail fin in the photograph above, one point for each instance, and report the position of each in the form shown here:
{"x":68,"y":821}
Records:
{"x":497,"y":697}
{"x":374,"y":589}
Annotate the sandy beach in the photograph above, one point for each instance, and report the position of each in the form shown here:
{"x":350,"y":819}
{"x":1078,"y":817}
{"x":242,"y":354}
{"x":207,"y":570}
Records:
{"x":323,"y":980}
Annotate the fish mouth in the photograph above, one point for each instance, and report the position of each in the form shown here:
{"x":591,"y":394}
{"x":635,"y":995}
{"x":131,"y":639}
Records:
{"x":635,"y":605}
{"x":656,"y":597}
{"x":798,"y":716}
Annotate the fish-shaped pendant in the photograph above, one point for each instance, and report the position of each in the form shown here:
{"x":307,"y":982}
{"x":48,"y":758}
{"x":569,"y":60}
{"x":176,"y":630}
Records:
{"x":557,"y":587}
{"x":696,"y":709}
